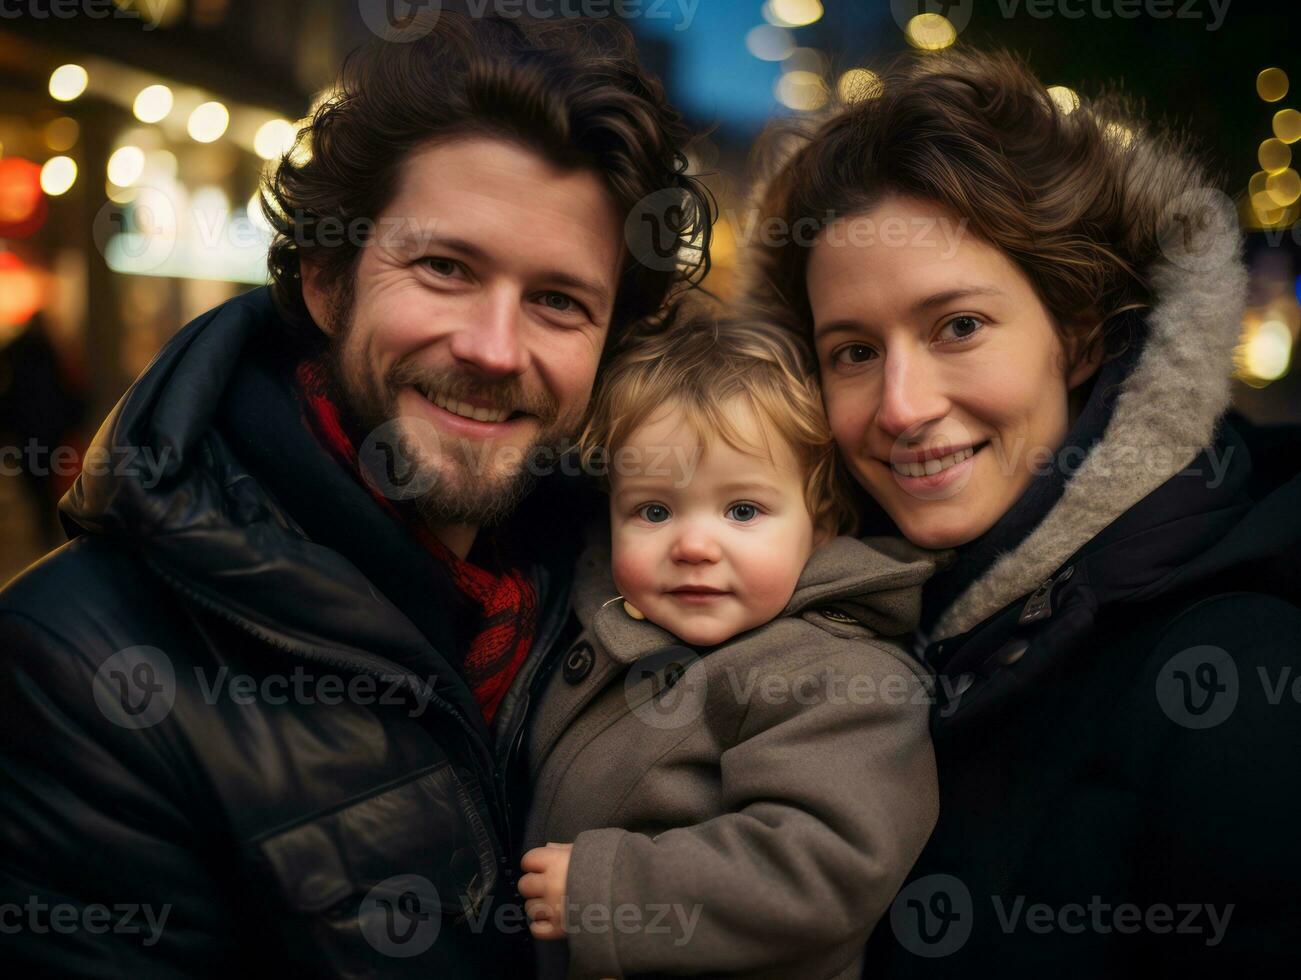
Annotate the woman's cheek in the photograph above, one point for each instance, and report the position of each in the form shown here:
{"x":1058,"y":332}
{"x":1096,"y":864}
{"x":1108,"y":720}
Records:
{"x":848,"y":419}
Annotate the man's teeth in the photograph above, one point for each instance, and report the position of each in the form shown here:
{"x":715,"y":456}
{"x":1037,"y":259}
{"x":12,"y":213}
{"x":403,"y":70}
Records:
{"x":933,"y":466}
{"x":467,"y":411}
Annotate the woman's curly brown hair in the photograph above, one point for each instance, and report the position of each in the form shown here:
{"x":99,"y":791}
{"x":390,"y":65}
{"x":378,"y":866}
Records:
{"x":1078,"y":199}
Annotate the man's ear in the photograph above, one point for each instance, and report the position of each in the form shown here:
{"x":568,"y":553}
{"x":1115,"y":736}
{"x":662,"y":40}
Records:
{"x":317,"y":296}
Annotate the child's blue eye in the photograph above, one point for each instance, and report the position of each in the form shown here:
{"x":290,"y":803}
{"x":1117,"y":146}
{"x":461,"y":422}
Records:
{"x":655,"y":513}
{"x":743,"y":512}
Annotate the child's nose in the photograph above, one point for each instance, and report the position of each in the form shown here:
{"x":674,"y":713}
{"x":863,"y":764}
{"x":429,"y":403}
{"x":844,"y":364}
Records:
{"x":693,"y":546}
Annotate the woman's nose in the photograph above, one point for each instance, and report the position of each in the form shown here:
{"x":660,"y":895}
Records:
{"x":911,"y":394}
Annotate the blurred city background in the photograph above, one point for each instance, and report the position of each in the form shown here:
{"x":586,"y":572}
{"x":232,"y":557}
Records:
{"x":133,"y":134}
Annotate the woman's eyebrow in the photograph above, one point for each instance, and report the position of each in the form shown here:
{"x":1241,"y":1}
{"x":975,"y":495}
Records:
{"x":944,"y":297}
{"x":919,"y":308}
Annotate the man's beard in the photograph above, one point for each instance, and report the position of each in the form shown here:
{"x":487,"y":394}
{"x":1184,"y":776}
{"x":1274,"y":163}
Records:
{"x":462,"y":489}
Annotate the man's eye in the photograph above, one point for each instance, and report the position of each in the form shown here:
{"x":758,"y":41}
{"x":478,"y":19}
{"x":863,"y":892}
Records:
{"x":654,"y":513}
{"x":853,"y":354}
{"x":440,"y":266}
{"x":743,"y":512}
{"x":963,"y":327}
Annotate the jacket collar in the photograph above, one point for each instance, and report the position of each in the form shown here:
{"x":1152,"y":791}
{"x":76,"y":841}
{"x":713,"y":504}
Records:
{"x":212,"y":525}
{"x":876,"y":582}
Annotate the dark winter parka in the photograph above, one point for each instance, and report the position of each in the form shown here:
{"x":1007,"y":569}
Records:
{"x":1119,"y":731}
{"x":228,"y":704}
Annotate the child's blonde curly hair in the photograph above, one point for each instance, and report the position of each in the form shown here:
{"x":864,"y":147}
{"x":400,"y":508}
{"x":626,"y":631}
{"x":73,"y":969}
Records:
{"x":700,"y":363}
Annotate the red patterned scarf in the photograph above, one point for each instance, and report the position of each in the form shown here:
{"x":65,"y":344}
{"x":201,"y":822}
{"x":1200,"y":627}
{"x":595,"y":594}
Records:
{"x":506,"y":601}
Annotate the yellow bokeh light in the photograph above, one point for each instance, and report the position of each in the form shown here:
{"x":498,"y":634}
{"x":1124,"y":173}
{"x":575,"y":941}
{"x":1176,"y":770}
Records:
{"x":796,"y":13}
{"x":126,"y":165}
{"x":802,"y":90}
{"x":61,"y":134}
{"x":1284,"y":187}
{"x":930,"y":32}
{"x":208,"y":122}
{"x":859,"y":84}
{"x":1268,"y":351}
{"x":1271,"y":84}
{"x":153,"y":104}
{"x":1064,"y":99}
{"x":67,"y":82}
{"x":1118,"y":133}
{"x":274,"y":139}
{"x":1274,"y":155}
{"x":58,"y":175}
{"x":1287,"y":125}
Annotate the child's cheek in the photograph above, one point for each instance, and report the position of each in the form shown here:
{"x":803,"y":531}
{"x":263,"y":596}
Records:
{"x":770,"y":583}
{"x":633,"y":569}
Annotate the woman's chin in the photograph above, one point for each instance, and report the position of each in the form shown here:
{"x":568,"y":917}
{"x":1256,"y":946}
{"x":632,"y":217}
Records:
{"x":938,"y":532}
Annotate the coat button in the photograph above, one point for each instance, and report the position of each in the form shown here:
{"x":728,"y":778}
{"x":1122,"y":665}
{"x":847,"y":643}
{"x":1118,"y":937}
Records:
{"x":578,"y":662}
{"x":1013,"y":652}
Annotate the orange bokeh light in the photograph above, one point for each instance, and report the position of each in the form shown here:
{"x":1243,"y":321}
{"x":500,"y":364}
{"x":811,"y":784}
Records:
{"x":23,"y":205}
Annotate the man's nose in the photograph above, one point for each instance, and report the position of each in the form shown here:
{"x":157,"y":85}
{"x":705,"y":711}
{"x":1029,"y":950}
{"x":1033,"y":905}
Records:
{"x":912,"y":394}
{"x":491,"y":342}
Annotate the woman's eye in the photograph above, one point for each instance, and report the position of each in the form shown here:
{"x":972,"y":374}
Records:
{"x":558,"y":302}
{"x":963,"y":327}
{"x":854,"y":354}
{"x":654,"y":513}
{"x":743,"y":512}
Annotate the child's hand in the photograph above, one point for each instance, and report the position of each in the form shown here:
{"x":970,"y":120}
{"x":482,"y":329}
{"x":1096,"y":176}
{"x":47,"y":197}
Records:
{"x":543,"y":889}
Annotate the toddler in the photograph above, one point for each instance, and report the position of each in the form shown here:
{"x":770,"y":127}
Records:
{"x":732,"y":771}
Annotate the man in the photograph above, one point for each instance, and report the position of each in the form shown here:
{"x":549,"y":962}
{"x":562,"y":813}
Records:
{"x":263,"y":712}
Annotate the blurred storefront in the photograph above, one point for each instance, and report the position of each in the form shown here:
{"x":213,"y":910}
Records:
{"x":133,"y":134}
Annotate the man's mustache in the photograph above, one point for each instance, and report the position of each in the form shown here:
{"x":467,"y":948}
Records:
{"x":508,"y":395}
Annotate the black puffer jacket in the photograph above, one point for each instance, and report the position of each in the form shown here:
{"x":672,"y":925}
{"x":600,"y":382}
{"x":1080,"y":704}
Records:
{"x":226,"y":705}
{"x":1121,"y":717}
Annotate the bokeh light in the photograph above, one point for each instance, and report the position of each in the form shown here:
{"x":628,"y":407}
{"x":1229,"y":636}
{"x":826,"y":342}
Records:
{"x":1271,"y":84}
{"x":1064,"y":99}
{"x":930,"y":32}
{"x":1274,"y":155}
{"x":859,"y":84}
{"x":58,"y":175}
{"x":208,"y":122}
{"x":1287,"y":125}
{"x":769,"y":43}
{"x":796,"y":13}
{"x":274,"y":139}
{"x":126,"y":165}
{"x":67,"y":82}
{"x":154,"y":104}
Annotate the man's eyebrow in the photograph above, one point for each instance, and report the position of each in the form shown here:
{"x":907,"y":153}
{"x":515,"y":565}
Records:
{"x":920,"y":307}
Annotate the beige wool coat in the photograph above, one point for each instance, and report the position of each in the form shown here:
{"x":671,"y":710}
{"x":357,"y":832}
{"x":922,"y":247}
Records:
{"x":748,"y":809}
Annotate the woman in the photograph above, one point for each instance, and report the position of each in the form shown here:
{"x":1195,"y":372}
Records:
{"x":1024,"y":312}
